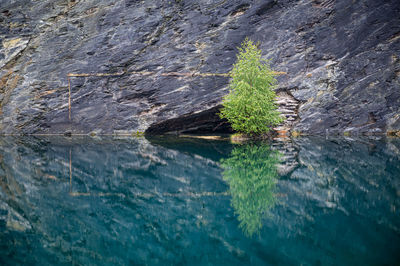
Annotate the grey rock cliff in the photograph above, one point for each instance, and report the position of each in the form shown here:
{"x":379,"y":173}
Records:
{"x":342,"y":60}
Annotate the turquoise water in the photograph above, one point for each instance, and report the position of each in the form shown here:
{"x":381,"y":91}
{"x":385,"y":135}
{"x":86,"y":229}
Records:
{"x":184,"y":201}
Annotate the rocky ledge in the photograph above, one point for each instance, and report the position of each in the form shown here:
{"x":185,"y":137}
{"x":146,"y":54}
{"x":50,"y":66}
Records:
{"x":342,"y":60}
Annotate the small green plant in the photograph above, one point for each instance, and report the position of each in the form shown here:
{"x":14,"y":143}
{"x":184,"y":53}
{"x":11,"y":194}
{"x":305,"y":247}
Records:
{"x":138,"y":134}
{"x":250,"y":105}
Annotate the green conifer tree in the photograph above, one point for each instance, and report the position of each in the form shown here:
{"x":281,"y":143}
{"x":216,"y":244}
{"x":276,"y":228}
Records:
{"x":250,"y":105}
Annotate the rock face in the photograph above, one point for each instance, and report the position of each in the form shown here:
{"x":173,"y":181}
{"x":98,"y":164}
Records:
{"x":341,"y":57}
{"x":288,"y":107}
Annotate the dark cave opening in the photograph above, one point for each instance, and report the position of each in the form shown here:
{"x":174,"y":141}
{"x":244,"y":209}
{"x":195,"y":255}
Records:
{"x":206,"y":122}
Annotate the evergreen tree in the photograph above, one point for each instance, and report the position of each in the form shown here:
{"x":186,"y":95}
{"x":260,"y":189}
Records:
{"x":250,"y":105}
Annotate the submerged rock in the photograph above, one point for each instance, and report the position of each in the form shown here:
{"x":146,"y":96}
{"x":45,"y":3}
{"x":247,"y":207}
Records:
{"x":341,"y":58}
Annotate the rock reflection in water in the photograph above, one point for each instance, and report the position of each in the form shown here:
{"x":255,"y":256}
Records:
{"x":165,"y":201}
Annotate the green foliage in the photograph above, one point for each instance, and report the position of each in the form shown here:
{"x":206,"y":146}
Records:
{"x":250,"y":105}
{"x":251,"y":172}
{"x":138,"y":134}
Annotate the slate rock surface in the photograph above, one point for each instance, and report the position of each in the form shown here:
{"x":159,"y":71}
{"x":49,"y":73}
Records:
{"x":342,"y":60}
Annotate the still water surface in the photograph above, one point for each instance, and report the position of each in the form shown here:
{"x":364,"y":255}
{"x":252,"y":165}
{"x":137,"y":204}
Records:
{"x":183,"y":201}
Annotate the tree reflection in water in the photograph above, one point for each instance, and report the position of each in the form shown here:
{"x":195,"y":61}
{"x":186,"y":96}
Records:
{"x":251,"y":172}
